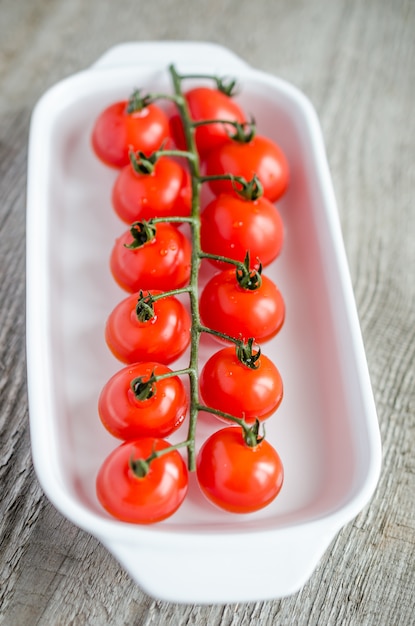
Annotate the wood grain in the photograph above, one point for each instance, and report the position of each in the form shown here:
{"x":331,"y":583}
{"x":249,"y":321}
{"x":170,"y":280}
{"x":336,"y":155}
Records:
{"x":356,"y":62}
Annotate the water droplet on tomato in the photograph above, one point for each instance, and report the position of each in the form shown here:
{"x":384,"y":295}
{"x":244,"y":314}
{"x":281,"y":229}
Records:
{"x":164,"y":252}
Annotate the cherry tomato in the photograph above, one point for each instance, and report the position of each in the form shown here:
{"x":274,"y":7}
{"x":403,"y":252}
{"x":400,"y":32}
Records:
{"x":131,"y":406}
{"x":163,"y":262}
{"x":260,"y":156}
{"x":165,"y":192}
{"x":231,"y":226}
{"x":163,"y":338}
{"x":235,"y":476}
{"x":116,"y":132}
{"x":206,"y":103}
{"x":137,"y":499}
{"x":232,"y":387}
{"x":241,"y":313}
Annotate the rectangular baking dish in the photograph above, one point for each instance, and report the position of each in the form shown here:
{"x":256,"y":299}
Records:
{"x":326,"y":430}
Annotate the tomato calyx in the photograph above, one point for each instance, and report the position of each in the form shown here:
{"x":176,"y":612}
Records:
{"x":246,"y":355}
{"x":251,"y":434}
{"x":145,"y":307}
{"x":251,"y":190}
{"x":141,"y":163}
{"x":137,"y":102}
{"x":142,"y":232}
{"x":139,"y":467}
{"x":228,"y":86}
{"x":247,"y":277}
{"x":244,"y":132}
{"x":143,"y":389}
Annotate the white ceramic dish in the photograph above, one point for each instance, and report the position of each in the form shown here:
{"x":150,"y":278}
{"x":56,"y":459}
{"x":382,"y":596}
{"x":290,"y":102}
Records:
{"x":326,"y":429}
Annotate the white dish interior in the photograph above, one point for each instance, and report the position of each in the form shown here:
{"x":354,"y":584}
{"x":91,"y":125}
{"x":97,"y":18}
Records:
{"x":325,"y":430}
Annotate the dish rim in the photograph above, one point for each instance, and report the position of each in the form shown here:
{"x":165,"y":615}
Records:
{"x":39,"y":402}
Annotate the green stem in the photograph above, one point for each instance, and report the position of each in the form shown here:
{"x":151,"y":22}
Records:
{"x":230,"y":177}
{"x":172,"y":292}
{"x":248,"y":189}
{"x":174,"y":218}
{"x":181,"y":372}
{"x":195,"y":265}
{"x":219,"y":335}
{"x":175,"y":153}
{"x":144,"y":388}
{"x":223,"y":259}
{"x":221,"y":85}
{"x":250,"y":431}
{"x":219,"y":413}
{"x":142,"y":465}
{"x":144,"y":307}
{"x":153,"y":97}
{"x":216,"y":121}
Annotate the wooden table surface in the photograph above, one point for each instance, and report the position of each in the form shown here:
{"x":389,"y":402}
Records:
{"x":356,"y":62}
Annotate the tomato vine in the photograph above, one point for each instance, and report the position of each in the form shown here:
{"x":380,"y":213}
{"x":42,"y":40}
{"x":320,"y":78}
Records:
{"x":248,"y":279}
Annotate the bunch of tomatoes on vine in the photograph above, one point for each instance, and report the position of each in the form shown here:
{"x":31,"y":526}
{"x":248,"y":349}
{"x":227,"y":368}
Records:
{"x":164,"y":156}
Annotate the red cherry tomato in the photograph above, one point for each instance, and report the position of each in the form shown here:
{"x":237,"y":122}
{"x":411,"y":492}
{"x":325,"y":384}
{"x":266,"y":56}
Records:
{"x":165,"y":192}
{"x":235,"y":476}
{"x":159,"y":413}
{"x":116,"y":132}
{"x":241,"y":313}
{"x":230,"y":386}
{"x":231,"y":226}
{"x":163,"y":263}
{"x":260,"y":156}
{"x":142,"y":499}
{"x":205,"y":103}
{"x":163,"y":338}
